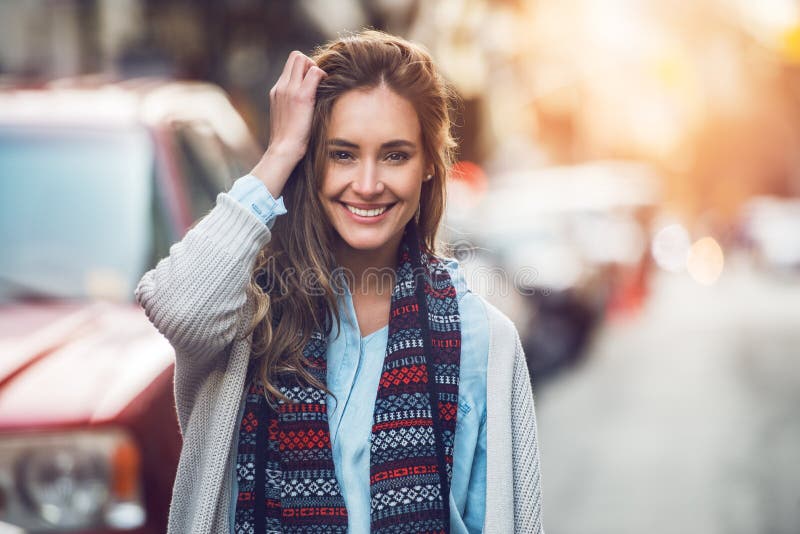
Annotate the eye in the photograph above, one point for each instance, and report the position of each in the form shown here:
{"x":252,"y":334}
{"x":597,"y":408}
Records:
{"x":397,"y":156}
{"x":338,"y":155}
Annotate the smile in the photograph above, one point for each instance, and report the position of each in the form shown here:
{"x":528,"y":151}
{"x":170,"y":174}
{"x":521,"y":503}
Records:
{"x":371,"y":213}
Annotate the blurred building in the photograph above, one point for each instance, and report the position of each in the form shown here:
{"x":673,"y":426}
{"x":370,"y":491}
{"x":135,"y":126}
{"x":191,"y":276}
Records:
{"x":706,"y":91}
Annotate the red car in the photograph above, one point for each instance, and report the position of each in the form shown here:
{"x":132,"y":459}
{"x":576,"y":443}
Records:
{"x":96,"y":181}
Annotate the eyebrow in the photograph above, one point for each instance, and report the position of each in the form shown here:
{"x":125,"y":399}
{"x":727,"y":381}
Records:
{"x":395,"y":143}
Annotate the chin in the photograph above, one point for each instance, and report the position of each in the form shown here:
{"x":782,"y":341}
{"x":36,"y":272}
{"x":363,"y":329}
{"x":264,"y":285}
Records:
{"x":369,"y":239}
{"x":365,"y":242}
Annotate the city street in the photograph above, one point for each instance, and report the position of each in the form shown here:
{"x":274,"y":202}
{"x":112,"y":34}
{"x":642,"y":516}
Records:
{"x":685,"y":418}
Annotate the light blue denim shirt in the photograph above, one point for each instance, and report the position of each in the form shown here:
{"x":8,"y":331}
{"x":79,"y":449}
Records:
{"x":354,"y":367}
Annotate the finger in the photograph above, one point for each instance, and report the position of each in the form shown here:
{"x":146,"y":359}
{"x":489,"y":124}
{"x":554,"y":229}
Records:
{"x":287,"y":68}
{"x":301,"y":65}
{"x":312,"y":79}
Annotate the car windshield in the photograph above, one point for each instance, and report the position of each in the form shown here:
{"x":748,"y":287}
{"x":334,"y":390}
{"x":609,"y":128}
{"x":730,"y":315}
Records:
{"x":75,"y":217}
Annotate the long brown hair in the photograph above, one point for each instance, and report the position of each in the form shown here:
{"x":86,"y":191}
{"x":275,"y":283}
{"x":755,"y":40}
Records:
{"x":296,"y":266}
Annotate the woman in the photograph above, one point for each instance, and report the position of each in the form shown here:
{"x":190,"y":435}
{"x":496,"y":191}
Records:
{"x":333,"y":373}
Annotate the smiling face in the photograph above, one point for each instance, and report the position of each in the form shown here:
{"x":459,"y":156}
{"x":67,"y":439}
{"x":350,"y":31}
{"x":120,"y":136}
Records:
{"x":375,"y":168}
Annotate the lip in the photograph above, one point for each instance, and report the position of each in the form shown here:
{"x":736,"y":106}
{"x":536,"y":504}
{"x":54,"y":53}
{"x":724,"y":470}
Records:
{"x":362,"y":206}
{"x":367,"y":220}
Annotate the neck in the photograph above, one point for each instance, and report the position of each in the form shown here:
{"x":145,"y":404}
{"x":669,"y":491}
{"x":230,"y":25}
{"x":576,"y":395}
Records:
{"x":369,"y":272}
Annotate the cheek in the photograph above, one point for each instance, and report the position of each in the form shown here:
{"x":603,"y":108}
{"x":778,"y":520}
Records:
{"x":415,"y":197}
{"x":332,"y":183}
{"x":322,"y":192}
{"x":411,"y":190}
{"x":324,"y":197}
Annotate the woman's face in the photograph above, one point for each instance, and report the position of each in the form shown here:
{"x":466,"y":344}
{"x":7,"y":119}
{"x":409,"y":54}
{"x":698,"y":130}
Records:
{"x":375,"y":168}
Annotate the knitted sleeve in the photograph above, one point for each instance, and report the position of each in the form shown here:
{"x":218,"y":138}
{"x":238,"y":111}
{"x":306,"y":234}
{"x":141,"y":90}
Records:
{"x":525,"y":450}
{"x":195,"y":296}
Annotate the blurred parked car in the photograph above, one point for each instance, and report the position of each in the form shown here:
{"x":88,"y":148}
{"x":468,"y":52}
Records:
{"x":557,"y":246}
{"x":96,"y":181}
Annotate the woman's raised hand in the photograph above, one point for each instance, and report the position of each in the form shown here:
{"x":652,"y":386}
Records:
{"x":291,"y":102}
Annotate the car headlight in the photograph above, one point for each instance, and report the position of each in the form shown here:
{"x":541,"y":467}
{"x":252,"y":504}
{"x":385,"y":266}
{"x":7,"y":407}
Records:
{"x":74,"y":480}
{"x":66,"y":486}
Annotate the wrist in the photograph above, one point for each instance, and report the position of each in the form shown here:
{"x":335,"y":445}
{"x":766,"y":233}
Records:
{"x":273,"y":169}
{"x":286,"y":153}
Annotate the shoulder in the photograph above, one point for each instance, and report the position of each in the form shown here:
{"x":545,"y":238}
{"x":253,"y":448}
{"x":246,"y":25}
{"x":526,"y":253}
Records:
{"x":505,"y":347}
{"x":499,"y":323}
{"x":500,"y":335}
{"x":495,"y":321}
{"x":474,"y":331}
{"x":457,"y":275}
{"x":474,"y":321}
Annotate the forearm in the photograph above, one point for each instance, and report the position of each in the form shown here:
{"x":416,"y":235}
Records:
{"x":194,"y":295}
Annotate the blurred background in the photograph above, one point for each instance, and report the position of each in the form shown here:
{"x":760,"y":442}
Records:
{"x":627,"y":191}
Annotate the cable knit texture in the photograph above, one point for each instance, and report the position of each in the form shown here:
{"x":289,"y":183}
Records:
{"x":196,"y":297}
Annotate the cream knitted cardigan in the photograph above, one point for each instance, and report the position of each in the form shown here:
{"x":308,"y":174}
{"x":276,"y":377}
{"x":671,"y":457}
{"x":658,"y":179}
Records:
{"x":196,"y":298}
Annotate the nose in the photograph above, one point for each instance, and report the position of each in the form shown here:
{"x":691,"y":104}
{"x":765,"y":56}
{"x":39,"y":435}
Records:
{"x":367,"y":182}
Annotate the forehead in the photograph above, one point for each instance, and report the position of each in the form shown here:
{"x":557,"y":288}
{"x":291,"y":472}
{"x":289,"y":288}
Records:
{"x":373,"y":115}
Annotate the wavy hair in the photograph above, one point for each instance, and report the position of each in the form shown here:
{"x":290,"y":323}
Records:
{"x":292,"y":281}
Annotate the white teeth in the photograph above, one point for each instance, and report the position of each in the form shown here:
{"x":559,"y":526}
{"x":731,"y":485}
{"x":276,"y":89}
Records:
{"x":366,"y":213}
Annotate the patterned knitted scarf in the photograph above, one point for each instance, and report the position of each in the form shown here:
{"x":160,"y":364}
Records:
{"x":285,"y":467}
